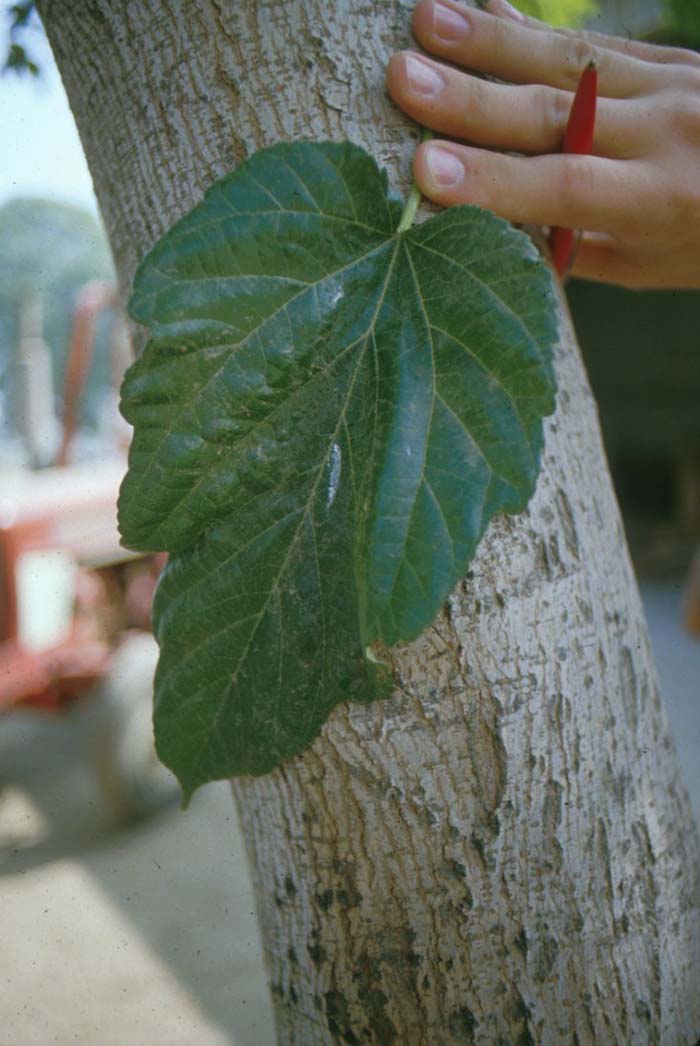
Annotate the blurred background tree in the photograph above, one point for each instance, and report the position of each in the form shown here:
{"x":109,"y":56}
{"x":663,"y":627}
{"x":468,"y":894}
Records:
{"x":19,"y":58}
{"x":560,"y":12}
{"x":684,"y":21}
{"x":49,"y":250}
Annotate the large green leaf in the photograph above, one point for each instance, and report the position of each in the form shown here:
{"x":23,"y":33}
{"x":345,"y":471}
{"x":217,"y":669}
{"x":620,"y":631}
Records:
{"x":328,"y":414}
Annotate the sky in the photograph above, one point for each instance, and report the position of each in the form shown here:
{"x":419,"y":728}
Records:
{"x":40,"y":151}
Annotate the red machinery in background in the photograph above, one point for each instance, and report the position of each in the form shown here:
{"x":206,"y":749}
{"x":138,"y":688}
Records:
{"x":692,"y":601}
{"x":74,"y":604}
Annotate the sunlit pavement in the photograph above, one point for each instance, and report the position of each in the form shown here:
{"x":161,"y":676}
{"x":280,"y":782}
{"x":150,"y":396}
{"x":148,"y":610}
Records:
{"x":143,"y":936}
{"x":147,"y":936}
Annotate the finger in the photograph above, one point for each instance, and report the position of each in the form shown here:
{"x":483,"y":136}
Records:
{"x":578,"y":192}
{"x":529,"y":118}
{"x":604,"y":260}
{"x":653,"y":53}
{"x":519,"y":53}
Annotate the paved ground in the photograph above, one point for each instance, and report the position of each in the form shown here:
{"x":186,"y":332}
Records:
{"x":147,"y":937}
{"x":143,"y":937}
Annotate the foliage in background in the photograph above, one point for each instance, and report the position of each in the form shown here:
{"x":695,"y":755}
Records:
{"x":50,"y":249}
{"x":684,"y":17}
{"x":22,"y":18}
{"x":560,"y":12}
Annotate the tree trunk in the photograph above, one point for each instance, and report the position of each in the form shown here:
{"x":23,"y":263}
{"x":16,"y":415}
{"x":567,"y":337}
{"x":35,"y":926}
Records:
{"x":504,"y":851}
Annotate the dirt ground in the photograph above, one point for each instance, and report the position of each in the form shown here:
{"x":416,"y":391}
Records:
{"x":147,"y":936}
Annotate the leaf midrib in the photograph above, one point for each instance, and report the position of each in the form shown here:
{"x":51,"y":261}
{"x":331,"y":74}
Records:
{"x":309,"y":503}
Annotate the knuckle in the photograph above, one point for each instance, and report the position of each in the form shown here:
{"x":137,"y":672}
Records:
{"x":554,"y":108}
{"x":575,"y":182}
{"x":578,"y":52}
{"x":685,"y":117}
{"x":499,"y":33}
{"x":688,"y":80}
{"x":686,"y":57}
{"x":476,"y":101}
{"x":683,"y":207}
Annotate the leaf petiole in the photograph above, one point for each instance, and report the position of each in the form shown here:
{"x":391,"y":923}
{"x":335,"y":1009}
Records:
{"x":409,"y":211}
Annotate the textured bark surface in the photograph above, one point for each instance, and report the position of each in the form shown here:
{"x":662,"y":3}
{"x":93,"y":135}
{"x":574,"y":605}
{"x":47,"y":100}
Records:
{"x":504,"y":851}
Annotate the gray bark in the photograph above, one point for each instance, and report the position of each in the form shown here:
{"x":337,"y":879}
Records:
{"x":504,"y":851}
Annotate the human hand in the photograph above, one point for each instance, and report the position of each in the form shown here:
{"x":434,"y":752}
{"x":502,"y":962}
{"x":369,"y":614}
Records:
{"x":637,"y":196}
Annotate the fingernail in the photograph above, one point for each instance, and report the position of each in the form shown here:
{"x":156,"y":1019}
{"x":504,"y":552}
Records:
{"x":449,"y":24}
{"x":422,"y":78}
{"x":444,"y":168}
{"x":508,"y":11}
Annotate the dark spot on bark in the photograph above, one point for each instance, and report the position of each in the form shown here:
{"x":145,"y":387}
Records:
{"x":374,"y":999}
{"x":277,"y":990}
{"x":426,"y":983}
{"x":289,"y":887}
{"x":396,"y":948}
{"x":429,"y":817}
{"x":642,"y":1011}
{"x":493,"y":822}
{"x":317,"y":954}
{"x":521,"y":1015}
{"x":324,"y":900}
{"x":520,"y":1010}
{"x":525,"y":1038}
{"x":551,"y":813}
{"x":545,"y":956}
{"x":624,"y":923}
{"x":568,"y":525}
{"x":455,"y":869}
{"x":620,"y":787}
{"x":578,"y":922}
{"x":520,"y":941}
{"x":378,"y":785}
{"x":293,"y":994}
{"x":449,"y":964}
{"x":629,"y":688}
{"x":462,"y":1024}
{"x":349,"y":898}
{"x":478,"y":844}
{"x":555,"y":562}
{"x":292,"y":956}
{"x":338,"y":1017}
